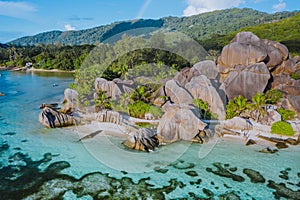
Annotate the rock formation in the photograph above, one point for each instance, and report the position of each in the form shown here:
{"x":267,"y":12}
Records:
{"x":143,"y":140}
{"x":70,"y":98}
{"x":249,"y":59}
{"x":111,"y":88}
{"x":179,"y":123}
{"x":177,"y":93}
{"x":52,"y":118}
{"x":201,"y":88}
{"x":109,"y":116}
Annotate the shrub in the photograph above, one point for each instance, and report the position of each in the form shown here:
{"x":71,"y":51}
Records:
{"x":138,"y":109}
{"x":282,"y":128}
{"x":156,"y":111}
{"x":273,"y":96}
{"x":295,"y":76}
{"x":203,"y":109}
{"x":286,"y":114}
{"x":236,"y":106}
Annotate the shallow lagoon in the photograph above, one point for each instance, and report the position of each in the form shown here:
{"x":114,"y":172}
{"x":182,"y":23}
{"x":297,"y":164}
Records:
{"x":50,"y":163}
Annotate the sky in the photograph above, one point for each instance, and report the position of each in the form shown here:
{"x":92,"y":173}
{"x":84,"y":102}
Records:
{"x":30,"y":17}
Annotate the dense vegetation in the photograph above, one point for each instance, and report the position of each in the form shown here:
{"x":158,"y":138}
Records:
{"x":285,"y":31}
{"x":199,"y":27}
{"x":45,"y":56}
{"x":155,"y":58}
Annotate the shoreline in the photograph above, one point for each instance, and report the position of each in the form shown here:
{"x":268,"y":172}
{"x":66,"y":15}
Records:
{"x":32,"y":69}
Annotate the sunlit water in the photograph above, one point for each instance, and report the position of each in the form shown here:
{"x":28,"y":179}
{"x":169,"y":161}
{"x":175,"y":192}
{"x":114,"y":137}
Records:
{"x":98,"y":167}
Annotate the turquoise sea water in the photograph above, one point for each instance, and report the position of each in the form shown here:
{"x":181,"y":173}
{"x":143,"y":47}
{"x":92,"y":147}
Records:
{"x":41,"y":163}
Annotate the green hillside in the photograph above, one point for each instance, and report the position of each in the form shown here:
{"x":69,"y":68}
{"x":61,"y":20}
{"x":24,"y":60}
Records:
{"x":199,"y":27}
{"x":286,"y":31}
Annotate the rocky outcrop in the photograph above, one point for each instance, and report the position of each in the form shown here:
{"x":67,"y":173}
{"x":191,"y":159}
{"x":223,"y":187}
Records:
{"x":237,"y":53}
{"x":142,"y":140}
{"x":201,"y":88}
{"x":70,"y":99}
{"x":237,"y":123}
{"x":177,"y":93}
{"x":246,"y":52}
{"x":179,"y":123}
{"x":52,"y":118}
{"x":207,"y":68}
{"x":240,"y":80}
{"x":270,"y":117}
{"x":111,"y":88}
{"x":109,"y":116}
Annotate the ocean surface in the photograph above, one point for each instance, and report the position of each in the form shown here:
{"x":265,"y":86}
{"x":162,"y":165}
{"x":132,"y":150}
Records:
{"x":41,"y":163}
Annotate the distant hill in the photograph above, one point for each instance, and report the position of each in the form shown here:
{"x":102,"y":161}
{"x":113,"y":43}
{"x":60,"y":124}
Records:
{"x":4,"y":46}
{"x":285,"y":31}
{"x":200,"y":27}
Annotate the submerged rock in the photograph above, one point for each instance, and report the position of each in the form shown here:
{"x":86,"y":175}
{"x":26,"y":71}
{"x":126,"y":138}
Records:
{"x":281,"y":145}
{"x":269,"y":150}
{"x":250,"y":142}
{"x":52,"y":118}
{"x":282,"y":191}
{"x":255,"y":177}
{"x":224,"y":172}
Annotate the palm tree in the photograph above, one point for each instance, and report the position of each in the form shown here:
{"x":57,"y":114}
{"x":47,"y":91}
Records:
{"x":102,"y":102}
{"x":140,"y":93}
{"x":259,"y":100}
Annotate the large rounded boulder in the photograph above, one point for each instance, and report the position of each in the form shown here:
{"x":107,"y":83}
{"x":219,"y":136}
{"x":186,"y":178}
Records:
{"x":247,"y":81}
{"x":179,"y":123}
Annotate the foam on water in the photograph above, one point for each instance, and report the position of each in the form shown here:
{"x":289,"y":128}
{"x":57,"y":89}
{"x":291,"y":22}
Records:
{"x":178,"y":170}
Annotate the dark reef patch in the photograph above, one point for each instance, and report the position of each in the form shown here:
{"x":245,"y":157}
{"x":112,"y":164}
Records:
{"x":284,"y":174}
{"x":282,"y":191}
{"x":255,"y":177}
{"x":225,"y":172}
{"x":160,"y":170}
{"x":180,"y":164}
{"x":191,"y":173}
{"x":4,"y":146}
{"x":9,"y":133}
{"x":198,"y":182}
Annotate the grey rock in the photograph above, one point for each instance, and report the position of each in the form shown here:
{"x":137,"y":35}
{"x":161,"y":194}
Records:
{"x":177,"y":93}
{"x":52,"y":118}
{"x":241,"y":81}
{"x":111,"y":88}
{"x":179,"y":124}
{"x":207,"y":68}
{"x":109,"y":116}
{"x":201,"y":88}
{"x":143,"y":140}
{"x":237,"y":123}
{"x":70,"y":101}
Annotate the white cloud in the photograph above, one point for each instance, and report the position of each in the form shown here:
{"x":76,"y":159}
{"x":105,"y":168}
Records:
{"x":69,"y":27}
{"x":280,"y":6}
{"x":16,"y":9}
{"x":201,"y":6}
